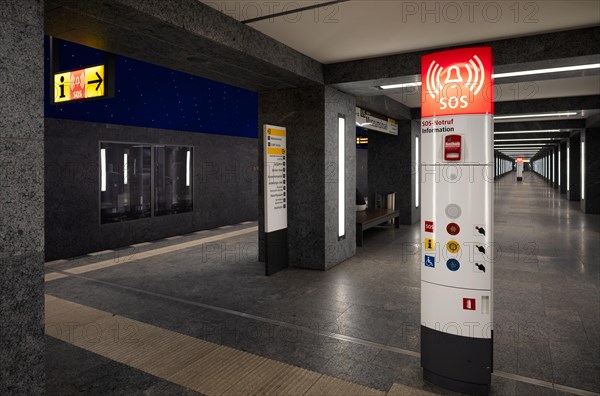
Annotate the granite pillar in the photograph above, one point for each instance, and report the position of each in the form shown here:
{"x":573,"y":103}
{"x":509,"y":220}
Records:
{"x":311,"y":118}
{"x":21,"y":198}
{"x":590,"y":202}
{"x":392,"y":168}
{"x":574,"y":168}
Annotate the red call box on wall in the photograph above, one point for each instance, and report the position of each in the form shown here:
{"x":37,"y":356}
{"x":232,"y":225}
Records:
{"x":452,"y":147}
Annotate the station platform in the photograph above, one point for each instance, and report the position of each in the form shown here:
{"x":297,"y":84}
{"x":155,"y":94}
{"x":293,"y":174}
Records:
{"x":194,"y":314}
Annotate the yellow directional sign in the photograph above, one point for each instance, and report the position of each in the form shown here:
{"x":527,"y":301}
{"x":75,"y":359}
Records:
{"x":79,"y":84}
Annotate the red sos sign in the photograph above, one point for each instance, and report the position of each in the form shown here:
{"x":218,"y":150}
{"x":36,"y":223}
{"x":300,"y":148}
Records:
{"x":428,"y":226}
{"x":457,"y":82}
{"x":77,"y":84}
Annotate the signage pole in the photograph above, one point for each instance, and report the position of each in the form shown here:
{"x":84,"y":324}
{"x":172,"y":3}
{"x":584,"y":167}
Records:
{"x":457,"y":219}
{"x":275,"y":198}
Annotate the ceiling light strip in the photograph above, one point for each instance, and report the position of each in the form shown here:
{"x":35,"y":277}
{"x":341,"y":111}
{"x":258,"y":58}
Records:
{"x":570,"y":113}
{"x":530,"y":131}
{"x":495,"y":76}
{"x":524,"y":139}
{"x":546,"y":71}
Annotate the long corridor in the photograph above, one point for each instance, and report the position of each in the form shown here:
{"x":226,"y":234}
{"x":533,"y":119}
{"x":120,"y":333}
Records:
{"x":547,"y":300}
{"x":173,"y":316}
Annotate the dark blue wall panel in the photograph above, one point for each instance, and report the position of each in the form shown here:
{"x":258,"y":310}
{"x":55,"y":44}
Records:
{"x":148,"y":95}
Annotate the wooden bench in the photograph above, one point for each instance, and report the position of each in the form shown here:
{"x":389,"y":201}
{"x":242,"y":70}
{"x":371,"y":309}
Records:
{"x":370,"y":218}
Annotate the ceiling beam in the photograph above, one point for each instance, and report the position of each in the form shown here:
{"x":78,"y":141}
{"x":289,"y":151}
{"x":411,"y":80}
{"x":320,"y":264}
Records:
{"x":384,"y":105}
{"x":184,"y":35}
{"x":552,"y":135}
{"x":547,"y":105}
{"x":535,"y":48}
{"x":538,"y":125}
{"x":538,"y":106}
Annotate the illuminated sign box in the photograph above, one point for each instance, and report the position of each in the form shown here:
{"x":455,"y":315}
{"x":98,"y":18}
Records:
{"x":457,"y":82}
{"x":88,"y":83}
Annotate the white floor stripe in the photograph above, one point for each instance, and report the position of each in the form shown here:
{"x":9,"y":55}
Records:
{"x":55,"y":262}
{"x":151,"y":253}
{"x":100,"y":253}
{"x":53,"y":276}
{"x":141,"y":244}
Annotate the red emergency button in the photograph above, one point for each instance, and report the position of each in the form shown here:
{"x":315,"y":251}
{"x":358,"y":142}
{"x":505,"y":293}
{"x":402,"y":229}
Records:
{"x":469,"y":304}
{"x":453,"y":228}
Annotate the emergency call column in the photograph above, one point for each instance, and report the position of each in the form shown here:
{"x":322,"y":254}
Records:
{"x":457,"y":174}
{"x":519,"y":169}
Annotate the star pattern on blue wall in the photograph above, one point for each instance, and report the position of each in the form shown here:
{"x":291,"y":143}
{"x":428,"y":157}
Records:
{"x":148,"y":95}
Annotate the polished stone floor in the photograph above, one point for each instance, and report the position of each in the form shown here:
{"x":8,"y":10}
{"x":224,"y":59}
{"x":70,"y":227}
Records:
{"x":360,"y":320}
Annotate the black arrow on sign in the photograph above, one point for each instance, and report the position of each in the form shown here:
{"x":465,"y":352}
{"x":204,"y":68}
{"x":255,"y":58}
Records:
{"x":99,"y":81}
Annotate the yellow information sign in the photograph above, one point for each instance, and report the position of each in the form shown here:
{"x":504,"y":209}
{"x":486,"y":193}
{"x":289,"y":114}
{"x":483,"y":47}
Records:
{"x":429,"y":244}
{"x":79,"y":84}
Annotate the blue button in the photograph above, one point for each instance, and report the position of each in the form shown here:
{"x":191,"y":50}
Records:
{"x":453,"y":264}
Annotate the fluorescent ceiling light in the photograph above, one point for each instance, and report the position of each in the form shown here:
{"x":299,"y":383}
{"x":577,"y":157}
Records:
{"x":547,"y":71}
{"x":519,"y":144}
{"x":531,"y":131}
{"x":523,"y":140}
{"x":511,"y":74}
{"x":535,"y":115}
{"x":402,"y":85}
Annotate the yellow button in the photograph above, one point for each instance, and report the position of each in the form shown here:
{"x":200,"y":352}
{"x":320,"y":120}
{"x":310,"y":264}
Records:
{"x":453,"y":246}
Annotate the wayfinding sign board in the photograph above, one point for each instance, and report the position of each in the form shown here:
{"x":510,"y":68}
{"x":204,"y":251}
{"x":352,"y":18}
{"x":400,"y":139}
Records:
{"x":275,"y":178}
{"x":79,"y":84}
{"x":275,"y":198}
